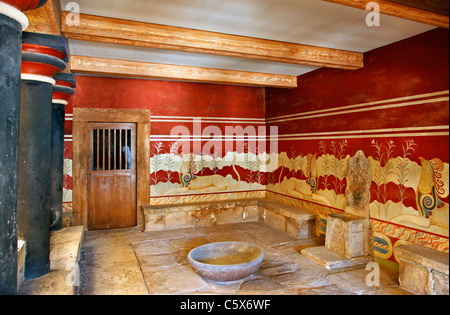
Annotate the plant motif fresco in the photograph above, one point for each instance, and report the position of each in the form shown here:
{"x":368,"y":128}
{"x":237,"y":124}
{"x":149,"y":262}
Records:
{"x":174,"y":173}
{"x":409,"y":193}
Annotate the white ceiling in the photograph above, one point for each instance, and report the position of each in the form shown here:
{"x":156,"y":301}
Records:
{"x":311,"y":22}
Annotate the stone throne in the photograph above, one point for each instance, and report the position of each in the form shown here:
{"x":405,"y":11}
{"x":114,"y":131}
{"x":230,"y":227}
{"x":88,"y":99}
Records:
{"x":347,"y":241}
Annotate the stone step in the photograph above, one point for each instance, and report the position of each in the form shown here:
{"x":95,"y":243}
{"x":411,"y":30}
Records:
{"x":332,"y":260}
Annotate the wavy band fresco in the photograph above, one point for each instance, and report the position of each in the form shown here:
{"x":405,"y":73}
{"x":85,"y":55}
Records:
{"x":209,"y":159}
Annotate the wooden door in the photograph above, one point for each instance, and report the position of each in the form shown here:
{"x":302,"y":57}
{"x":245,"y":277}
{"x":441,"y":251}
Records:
{"x":112,"y":175}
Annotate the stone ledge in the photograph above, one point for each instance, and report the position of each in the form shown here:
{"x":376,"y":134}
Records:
{"x":65,"y":247}
{"x":199,"y":206}
{"x":286,"y":210}
{"x":426,"y":257}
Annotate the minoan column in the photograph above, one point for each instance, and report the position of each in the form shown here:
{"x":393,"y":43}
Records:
{"x":39,"y":65}
{"x":12,"y":23}
{"x":62,"y":90}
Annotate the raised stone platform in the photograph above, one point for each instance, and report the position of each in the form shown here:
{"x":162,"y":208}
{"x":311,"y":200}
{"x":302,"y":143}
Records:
{"x":65,"y":246}
{"x":423,"y":270}
{"x":294,"y":221}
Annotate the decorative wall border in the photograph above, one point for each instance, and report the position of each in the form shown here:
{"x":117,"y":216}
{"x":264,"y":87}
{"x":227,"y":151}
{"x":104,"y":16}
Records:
{"x":427,"y":131}
{"x":183,"y":199}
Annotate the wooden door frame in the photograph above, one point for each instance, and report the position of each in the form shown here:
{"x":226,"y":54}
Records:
{"x":81,"y":118}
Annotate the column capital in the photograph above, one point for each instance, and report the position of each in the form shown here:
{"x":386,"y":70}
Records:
{"x":63,"y":88}
{"x":42,"y":57}
{"x":14,"y":8}
{"x":24,"y":5}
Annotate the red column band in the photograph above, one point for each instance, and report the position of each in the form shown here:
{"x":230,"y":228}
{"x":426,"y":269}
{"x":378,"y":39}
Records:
{"x":41,"y":63}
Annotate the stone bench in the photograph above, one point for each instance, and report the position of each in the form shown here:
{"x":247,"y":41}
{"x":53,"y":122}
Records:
{"x":423,"y":270}
{"x":169,"y":217}
{"x":294,"y":221}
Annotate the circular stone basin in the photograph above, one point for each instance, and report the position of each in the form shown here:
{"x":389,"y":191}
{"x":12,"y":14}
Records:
{"x":226,"y":261}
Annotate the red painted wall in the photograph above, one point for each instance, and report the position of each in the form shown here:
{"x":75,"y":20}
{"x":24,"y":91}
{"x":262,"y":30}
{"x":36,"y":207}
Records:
{"x":336,"y":113}
{"x":174,"y":104}
{"x":413,"y":66}
{"x":165,"y":98}
{"x":396,"y":110}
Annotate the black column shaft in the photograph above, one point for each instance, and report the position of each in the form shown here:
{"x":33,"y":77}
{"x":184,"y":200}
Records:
{"x":10,"y":64}
{"x":34,"y":171}
{"x":57,"y":166}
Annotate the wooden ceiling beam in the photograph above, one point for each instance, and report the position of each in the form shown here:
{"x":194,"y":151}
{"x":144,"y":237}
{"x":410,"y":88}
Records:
{"x":125,"y":32}
{"x":135,"y":69}
{"x":400,"y":11}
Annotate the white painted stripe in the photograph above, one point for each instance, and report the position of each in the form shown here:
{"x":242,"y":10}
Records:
{"x":340,"y":112}
{"x":387,"y":132}
{"x":206,"y":138}
{"x":63,"y":102}
{"x":39,"y":78}
{"x":395,"y":135}
{"x":209,"y":118}
{"x":386,"y":102}
{"x":371,"y":131}
{"x":210,"y":121}
{"x":399,"y":99}
{"x":14,"y":14}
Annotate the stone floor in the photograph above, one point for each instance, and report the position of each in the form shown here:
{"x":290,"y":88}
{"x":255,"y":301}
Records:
{"x":129,"y":262}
